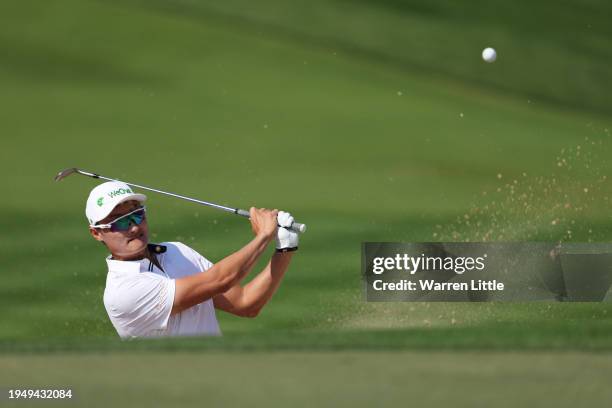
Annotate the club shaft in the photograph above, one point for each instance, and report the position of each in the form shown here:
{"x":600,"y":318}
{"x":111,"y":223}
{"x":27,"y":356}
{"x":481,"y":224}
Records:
{"x":182,"y":197}
{"x":295,"y":226}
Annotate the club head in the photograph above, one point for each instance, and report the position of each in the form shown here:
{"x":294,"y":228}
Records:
{"x":65,"y":173}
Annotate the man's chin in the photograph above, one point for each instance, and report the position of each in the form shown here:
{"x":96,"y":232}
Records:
{"x":138,"y":244}
{"x":135,"y":247}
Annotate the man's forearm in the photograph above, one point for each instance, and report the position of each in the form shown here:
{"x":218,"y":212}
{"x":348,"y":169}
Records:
{"x":259,"y":291}
{"x":238,"y":264}
{"x":226,"y":273}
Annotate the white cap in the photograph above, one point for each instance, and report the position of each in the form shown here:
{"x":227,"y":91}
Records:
{"x":105,"y":197}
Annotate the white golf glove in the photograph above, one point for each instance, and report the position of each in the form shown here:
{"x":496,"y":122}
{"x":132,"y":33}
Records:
{"x":286,"y":239}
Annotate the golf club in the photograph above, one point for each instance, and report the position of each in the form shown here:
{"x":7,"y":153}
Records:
{"x":296,"y":226}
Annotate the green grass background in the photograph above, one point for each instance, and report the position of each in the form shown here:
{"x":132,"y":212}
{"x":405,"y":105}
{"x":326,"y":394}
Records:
{"x":323,"y":379}
{"x":369,"y":121}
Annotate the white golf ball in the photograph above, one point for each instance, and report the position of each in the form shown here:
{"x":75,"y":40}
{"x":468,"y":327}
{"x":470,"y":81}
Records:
{"x":489,"y":54}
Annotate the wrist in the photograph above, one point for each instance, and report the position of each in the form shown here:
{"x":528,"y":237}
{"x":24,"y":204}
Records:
{"x":285,"y":250}
{"x":265,"y":236}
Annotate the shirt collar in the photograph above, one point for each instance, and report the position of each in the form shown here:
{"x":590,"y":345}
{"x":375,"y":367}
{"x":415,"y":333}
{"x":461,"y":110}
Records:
{"x":136,"y":265}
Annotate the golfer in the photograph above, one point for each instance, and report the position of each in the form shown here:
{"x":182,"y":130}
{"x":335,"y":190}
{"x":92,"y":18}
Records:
{"x":169,"y":289}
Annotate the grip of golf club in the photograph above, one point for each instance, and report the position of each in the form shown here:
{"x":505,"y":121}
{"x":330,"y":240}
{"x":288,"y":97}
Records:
{"x":296,"y":226}
{"x":244,"y":213}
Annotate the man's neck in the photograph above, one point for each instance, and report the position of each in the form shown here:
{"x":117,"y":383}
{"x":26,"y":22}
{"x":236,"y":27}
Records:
{"x":137,"y":257}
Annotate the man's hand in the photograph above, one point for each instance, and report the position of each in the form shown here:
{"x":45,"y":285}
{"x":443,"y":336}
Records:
{"x":286,"y":239}
{"x":264,"y":222}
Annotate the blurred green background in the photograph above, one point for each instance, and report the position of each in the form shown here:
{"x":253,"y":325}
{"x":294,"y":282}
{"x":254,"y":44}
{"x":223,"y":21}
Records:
{"x":368,"y":120}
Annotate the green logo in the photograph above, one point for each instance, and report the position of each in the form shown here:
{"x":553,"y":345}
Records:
{"x":120,"y":191}
{"x":100,"y":201}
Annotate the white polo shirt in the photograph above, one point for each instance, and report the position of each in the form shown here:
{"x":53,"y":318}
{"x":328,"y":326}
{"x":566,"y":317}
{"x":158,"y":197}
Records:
{"x":139,"y":296}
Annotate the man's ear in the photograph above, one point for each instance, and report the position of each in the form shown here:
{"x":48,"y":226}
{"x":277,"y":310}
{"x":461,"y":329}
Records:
{"x":96,"y":234}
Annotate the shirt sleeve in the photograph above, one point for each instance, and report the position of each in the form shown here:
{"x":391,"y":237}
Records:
{"x":202,"y":263}
{"x":142,"y":306}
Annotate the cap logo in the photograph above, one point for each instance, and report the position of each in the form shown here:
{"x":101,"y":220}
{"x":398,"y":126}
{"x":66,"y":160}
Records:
{"x":100,"y":201}
{"x":120,"y":191}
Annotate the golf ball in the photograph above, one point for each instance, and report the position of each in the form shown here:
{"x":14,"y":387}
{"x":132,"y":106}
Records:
{"x":489,"y":54}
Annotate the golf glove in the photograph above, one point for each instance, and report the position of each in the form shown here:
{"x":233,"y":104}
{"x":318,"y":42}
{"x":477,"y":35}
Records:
{"x":286,"y":239}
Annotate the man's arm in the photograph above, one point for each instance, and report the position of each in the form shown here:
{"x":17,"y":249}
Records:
{"x":225,"y":274}
{"x":248,"y":300}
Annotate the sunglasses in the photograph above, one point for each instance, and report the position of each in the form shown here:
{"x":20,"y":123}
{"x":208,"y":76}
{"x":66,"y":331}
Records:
{"x":123,"y":223}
